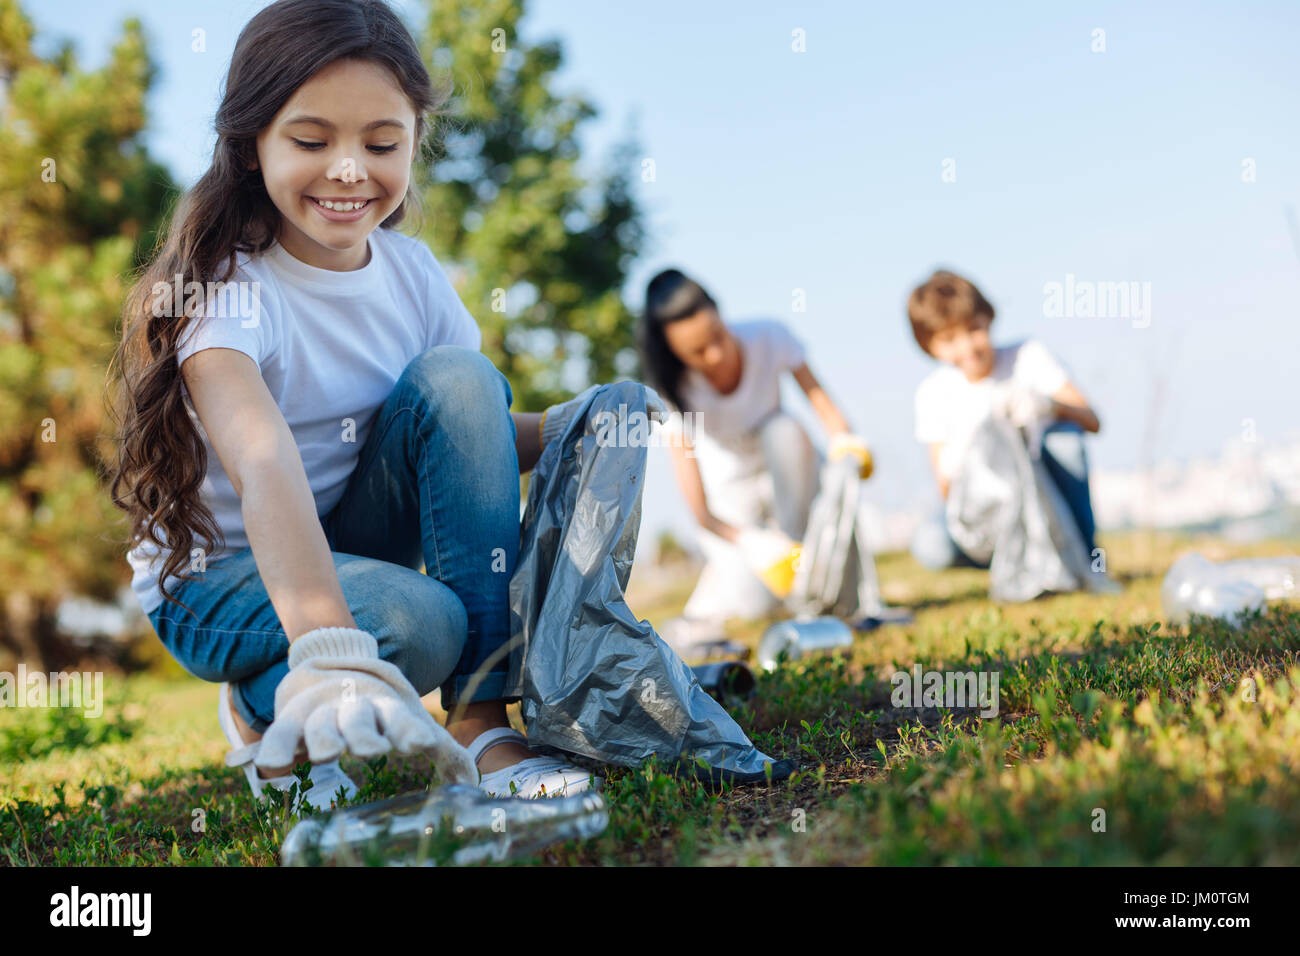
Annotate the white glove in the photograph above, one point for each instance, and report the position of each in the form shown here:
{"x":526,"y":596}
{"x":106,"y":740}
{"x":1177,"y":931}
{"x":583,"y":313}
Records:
{"x":339,"y":695}
{"x":556,"y":418}
{"x":772,"y":557}
{"x":1023,"y":407}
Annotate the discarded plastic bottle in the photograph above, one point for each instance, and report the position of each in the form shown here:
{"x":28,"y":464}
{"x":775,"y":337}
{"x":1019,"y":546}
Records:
{"x":414,"y":829}
{"x":802,"y":636}
{"x":1228,"y":589}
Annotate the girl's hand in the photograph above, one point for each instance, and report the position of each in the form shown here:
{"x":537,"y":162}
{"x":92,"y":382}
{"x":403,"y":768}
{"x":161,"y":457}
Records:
{"x":339,"y":696}
{"x":847,"y":443}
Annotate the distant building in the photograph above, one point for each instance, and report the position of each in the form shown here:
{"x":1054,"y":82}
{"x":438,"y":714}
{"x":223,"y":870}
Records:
{"x":1251,"y":490}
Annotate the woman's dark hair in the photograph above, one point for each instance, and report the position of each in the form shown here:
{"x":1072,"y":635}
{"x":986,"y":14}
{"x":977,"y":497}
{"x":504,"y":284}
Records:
{"x":161,"y":460}
{"x":670,"y":297}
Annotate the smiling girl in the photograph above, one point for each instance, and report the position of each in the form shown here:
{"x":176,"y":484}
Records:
{"x":336,"y":434}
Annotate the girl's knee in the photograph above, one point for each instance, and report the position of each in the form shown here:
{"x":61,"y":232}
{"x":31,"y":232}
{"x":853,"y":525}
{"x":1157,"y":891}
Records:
{"x":421,"y":627}
{"x":449,"y":374}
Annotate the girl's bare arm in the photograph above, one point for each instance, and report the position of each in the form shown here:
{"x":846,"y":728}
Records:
{"x":259,"y":454}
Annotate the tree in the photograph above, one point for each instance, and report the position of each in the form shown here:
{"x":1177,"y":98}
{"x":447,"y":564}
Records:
{"x":543,"y":254}
{"x":82,"y":202}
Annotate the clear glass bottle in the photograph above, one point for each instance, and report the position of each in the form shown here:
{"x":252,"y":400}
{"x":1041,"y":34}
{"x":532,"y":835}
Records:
{"x":455,"y":823}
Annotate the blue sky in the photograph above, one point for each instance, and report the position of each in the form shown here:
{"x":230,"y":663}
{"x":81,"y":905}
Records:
{"x":822,"y":171}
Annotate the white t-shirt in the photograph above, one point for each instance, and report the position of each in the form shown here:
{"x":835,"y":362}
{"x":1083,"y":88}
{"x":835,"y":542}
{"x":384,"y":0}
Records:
{"x":949,"y":407}
{"x":331,"y":346}
{"x":725,"y":438}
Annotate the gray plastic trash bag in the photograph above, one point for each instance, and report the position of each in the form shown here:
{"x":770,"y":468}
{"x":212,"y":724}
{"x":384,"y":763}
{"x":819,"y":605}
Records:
{"x":593,"y":680}
{"x":1003,"y":508}
{"x":837,"y":573}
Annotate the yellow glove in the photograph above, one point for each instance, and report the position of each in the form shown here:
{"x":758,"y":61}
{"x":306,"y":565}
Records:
{"x":772,"y":557}
{"x":846,"y":443}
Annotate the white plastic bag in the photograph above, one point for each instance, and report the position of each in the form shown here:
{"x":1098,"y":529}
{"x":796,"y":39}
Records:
{"x":1227,"y":590}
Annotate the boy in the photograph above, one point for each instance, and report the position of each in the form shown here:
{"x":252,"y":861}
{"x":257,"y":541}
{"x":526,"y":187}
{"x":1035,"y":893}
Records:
{"x":1023,"y":383}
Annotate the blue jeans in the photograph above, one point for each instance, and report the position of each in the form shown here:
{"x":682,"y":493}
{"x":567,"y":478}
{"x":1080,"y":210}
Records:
{"x":1067,"y":465}
{"x":436,"y":482}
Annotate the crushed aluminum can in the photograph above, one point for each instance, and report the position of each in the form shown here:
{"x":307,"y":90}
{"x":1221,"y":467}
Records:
{"x":799,"y":638}
{"x":726,"y":680}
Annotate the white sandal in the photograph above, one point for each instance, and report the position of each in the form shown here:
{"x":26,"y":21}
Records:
{"x":326,"y":778}
{"x":533,"y":777}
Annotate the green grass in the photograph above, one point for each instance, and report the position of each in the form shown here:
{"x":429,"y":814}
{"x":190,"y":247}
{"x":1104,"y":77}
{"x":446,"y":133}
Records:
{"x":1186,"y":739}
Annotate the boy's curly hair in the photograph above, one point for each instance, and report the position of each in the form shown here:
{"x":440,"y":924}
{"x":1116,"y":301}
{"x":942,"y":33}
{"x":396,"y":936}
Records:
{"x":942,"y":300}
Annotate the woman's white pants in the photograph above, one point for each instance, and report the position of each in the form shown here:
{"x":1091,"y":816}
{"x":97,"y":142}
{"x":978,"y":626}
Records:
{"x":777,"y":491}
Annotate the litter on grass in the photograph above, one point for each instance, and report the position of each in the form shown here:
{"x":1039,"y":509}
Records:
{"x":1226,"y":590}
{"x":458,"y":823}
{"x":801,"y":638}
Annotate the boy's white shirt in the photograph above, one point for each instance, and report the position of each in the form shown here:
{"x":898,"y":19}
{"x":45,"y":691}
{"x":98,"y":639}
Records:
{"x":331,"y":346}
{"x":949,"y":407}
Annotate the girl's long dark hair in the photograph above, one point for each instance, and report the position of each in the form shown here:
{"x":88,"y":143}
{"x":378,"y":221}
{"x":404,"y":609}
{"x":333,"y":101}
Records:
{"x":670,"y":297}
{"x":161,"y":459}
